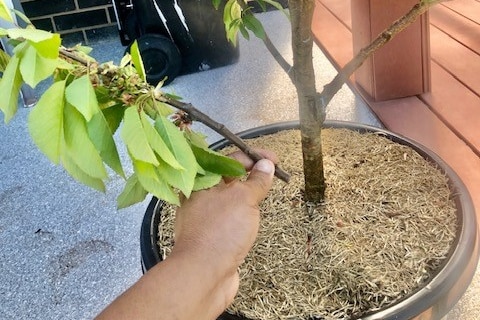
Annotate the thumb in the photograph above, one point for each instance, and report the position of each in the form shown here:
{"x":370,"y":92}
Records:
{"x":260,"y":178}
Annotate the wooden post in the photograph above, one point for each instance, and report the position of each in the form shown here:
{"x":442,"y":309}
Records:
{"x":402,"y":67}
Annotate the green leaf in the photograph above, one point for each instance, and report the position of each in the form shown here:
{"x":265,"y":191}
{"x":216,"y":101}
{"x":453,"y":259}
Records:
{"x":48,"y":48}
{"x":78,"y":174}
{"x":244,"y":31}
{"x":4,"y":58}
{"x":102,"y":94}
{"x":216,"y":3}
{"x":3,"y":32}
{"x":163,"y":108}
{"x":10,"y":85}
{"x":133,"y":193}
{"x":157,"y":143}
{"x":262,"y":5}
{"x":151,"y":181}
{"x":196,"y":138}
{"x":137,"y":60}
{"x":35,"y":68}
{"x":45,"y":121}
{"x":81,"y":95}
{"x":102,"y":138}
{"x":114,"y":116}
{"x":232,"y":15}
{"x":79,"y":145}
{"x":46,"y":43}
{"x":206,"y":181}
{"x":5,"y":13}
{"x":178,"y":145}
{"x":216,"y":163}
{"x":135,"y":138}
{"x":22,"y":16}
{"x":254,"y":25}
{"x":84,"y":49}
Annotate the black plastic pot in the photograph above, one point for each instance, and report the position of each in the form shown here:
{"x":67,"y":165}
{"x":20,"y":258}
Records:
{"x":435,"y":298}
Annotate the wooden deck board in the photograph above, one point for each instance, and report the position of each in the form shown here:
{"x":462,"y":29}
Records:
{"x":338,"y":43}
{"x":458,"y":108}
{"x":341,"y":9}
{"x":456,"y":26}
{"x":467,"y":8}
{"x":446,"y":119}
{"x":456,"y":59}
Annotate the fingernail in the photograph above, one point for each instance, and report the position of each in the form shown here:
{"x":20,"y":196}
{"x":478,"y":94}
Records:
{"x":265,"y":166}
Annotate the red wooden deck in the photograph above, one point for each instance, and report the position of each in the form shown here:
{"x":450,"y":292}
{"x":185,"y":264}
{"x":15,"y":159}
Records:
{"x":447,"y":119}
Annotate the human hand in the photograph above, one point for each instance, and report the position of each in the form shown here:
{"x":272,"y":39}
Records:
{"x":218,"y":226}
{"x":214,"y":230}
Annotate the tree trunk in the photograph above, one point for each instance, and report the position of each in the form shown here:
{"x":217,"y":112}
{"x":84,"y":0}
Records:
{"x":311,"y":113}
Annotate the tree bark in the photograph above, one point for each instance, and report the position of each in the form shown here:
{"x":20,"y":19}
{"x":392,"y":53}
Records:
{"x":311,"y":112}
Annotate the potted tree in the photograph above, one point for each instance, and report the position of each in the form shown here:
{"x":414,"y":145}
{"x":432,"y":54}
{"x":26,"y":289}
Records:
{"x":74,"y":123}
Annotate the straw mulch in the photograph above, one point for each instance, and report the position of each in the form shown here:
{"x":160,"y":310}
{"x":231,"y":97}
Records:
{"x":387,"y":223}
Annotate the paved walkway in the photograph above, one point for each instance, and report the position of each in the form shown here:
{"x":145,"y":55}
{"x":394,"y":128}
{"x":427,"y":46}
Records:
{"x":66,"y":252}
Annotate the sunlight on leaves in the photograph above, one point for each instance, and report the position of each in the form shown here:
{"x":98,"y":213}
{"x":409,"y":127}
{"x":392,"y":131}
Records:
{"x":133,"y":193}
{"x":148,"y":176}
{"x":137,"y":60}
{"x":215,"y":162}
{"x":178,"y":145}
{"x":81,"y":95}
{"x":10,"y":85}
{"x":34,"y":67}
{"x":135,"y":138}
{"x":78,"y":174}
{"x":157,"y":144}
{"x":102,"y":138}
{"x":79,"y":145}
{"x":45,"y":121}
{"x":5,"y":12}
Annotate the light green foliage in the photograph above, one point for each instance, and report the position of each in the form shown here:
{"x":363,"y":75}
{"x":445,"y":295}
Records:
{"x":78,"y":144}
{"x":101,"y":136}
{"x":45,"y":121}
{"x":5,"y":13}
{"x":4,"y":58}
{"x":81,"y":95}
{"x":10,"y":88}
{"x":35,"y":67}
{"x":137,"y":60}
{"x":135,"y":138}
{"x":46,"y":43}
{"x":152,"y":182}
{"x":240,"y":18}
{"x":216,"y":163}
{"x":76,"y":118}
{"x":132,"y":193}
{"x":179,"y":147}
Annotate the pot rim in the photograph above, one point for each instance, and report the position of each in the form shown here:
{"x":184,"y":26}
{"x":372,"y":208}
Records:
{"x":432,"y":300}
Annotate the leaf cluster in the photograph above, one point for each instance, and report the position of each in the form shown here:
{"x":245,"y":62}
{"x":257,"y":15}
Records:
{"x":238,"y":17}
{"x":76,"y":119}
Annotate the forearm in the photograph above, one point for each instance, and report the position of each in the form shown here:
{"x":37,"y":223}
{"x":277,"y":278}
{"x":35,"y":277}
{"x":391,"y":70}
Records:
{"x":178,"y":288}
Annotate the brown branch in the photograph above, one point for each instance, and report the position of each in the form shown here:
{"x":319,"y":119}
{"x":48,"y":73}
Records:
{"x":199,"y":116}
{"x":72,"y":55}
{"x":388,"y":34}
{"x":271,"y":47}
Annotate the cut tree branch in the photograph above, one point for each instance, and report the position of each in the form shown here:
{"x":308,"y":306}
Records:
{"x":199,"y":116}
{"x":271,"y":47}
